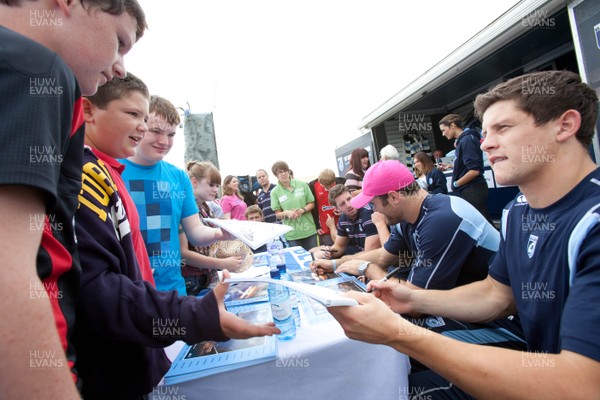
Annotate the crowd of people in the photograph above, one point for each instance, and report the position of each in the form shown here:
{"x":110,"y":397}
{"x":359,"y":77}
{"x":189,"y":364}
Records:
{"x":116,"y":223}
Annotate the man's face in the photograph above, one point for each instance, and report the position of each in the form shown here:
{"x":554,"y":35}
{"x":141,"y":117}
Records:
{"x":392,"y":210}
{"x":343,"y":204}
{"x":262,"y":178}
{"x":93,"y":43}
{"x":158,"y":141}
{"x":118,"y":129}
{"x":518,"y":150}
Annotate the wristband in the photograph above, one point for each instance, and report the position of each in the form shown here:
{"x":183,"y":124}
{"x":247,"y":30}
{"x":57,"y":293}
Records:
{"x":455,"y":184}
{"x":334,"y":265}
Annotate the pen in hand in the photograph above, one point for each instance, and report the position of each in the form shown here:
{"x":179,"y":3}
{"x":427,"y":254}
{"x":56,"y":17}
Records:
{"x":388,"y":276}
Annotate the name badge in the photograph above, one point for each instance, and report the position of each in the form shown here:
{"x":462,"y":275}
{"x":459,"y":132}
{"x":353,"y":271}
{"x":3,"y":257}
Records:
{"x":283,"y":198}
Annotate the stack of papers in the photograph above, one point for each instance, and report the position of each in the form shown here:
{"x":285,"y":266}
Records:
{"x":253,"y":233}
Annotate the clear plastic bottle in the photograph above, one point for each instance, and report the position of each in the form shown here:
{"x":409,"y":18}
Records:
{"x":293,"y":298}
{"x":281,"y":307}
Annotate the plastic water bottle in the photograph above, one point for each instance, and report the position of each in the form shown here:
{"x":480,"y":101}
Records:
{"x":286,"y":277}
{"x":273,"y":248}
{"x":279,"y":245}
{"x":281,"y":307}
{"x":274,"y":258}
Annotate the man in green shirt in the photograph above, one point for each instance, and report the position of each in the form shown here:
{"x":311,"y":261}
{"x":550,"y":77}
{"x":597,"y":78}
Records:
{"x":292,"y":202}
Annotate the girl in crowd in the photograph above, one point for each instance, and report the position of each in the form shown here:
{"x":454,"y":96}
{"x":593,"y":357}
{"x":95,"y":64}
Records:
{"x":428,"y":176}
{"x":232,"y":203}
{"x":199,"y":269}
{"x":359,"y":163}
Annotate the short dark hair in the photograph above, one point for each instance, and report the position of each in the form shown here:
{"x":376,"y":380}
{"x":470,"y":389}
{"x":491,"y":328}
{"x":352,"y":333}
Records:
{"x":118,"y":88}
{"x":113,"y":7}
{"x":546,"y":96}
{"x":335,"y":191}
{"x":409,"y":190}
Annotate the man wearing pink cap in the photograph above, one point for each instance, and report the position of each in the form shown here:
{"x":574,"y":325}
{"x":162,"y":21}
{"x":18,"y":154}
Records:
{"x":440,"y":241}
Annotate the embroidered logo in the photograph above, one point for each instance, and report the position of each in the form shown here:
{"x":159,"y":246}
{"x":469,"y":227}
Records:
{"x":435,"y":322}
{"x":531,"y":245}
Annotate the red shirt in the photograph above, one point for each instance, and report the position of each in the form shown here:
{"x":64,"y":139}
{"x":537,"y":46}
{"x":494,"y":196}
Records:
{"x":116,"y":168}
{"x":323,"y":207}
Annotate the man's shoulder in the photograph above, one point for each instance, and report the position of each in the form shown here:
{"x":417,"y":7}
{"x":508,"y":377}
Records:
{"x":365,"y":213}
{"x":25,"y":55}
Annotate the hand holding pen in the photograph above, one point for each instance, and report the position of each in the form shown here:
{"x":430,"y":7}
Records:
{"x":393,"y":272}
{"x":395,"y":294}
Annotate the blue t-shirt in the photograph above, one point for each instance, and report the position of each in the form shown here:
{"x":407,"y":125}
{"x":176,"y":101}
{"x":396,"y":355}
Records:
{"x":450,"y":244}
{"x":356,"y":230}
{"x":559,"y":306}
{"x":163,"y":195}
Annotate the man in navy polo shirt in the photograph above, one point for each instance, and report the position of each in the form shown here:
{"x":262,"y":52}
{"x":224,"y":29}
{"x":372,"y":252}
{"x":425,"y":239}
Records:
{"x":356,"y":231}
{"x":440,"y":241}
{"x":539,"y":128}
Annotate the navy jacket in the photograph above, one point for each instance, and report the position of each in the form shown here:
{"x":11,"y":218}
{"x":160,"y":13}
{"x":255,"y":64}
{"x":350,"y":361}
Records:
{"x":122,"y":321}
{"x":436,"y":182}
{"x":468,"y":157}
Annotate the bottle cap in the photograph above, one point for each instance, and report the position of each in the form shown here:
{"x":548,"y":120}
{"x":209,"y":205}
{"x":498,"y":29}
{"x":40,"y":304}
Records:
{"x":275,"y":274}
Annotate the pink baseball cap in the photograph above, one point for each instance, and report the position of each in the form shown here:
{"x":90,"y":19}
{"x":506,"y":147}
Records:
{"x":381,"y":178}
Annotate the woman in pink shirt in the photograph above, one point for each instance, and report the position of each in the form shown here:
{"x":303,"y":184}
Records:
{"x":232,"y":202}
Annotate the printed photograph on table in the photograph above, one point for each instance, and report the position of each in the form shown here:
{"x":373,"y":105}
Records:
{"x":314,"y":311}
{"x":344,"y":284}
{"x":209,"y":357}
{"x":310,"y":277}
{"x":246,"y":293}
{"x":260,"y":259}
{"x":208,"y":348}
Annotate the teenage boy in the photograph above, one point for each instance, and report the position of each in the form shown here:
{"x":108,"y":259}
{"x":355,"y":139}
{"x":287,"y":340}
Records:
{"x":164,"y":197}
{"x":51,"y":53}
{"x":323,"y":210}
{"x":118,"y":312}
{"x":538,"y":131}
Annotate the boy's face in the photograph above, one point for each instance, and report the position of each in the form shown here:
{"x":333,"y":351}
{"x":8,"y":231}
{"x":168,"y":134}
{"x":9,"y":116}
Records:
{"x":118,"y":129}
{"x":254,"y":217}
{"x":158,"y":141}
{"x":93,"y":44}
